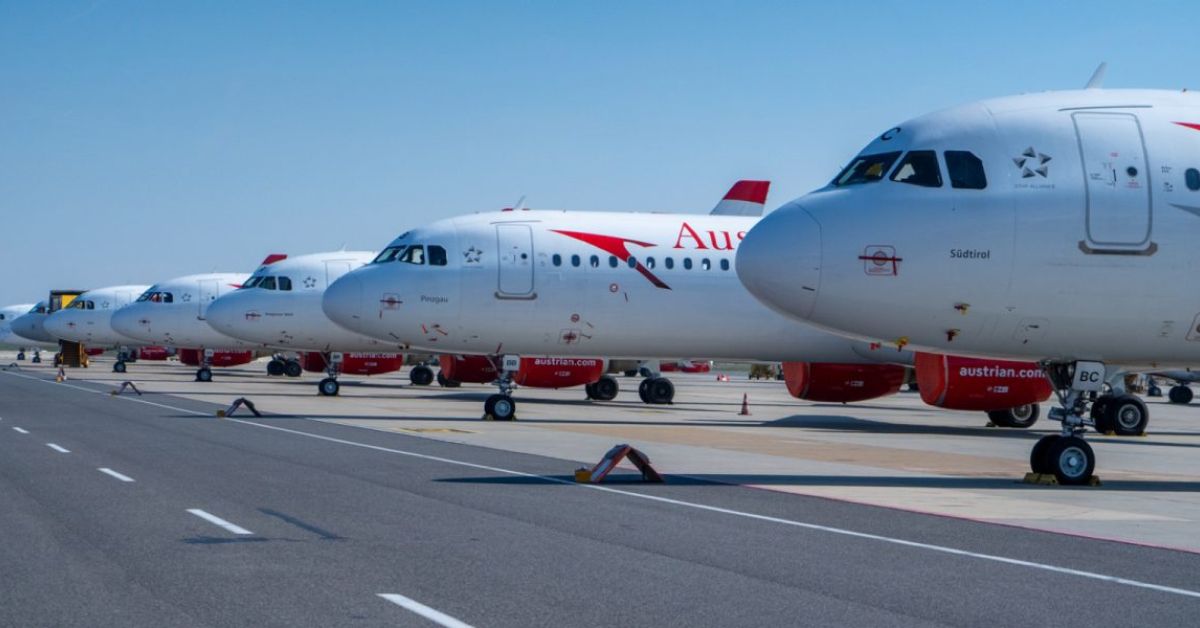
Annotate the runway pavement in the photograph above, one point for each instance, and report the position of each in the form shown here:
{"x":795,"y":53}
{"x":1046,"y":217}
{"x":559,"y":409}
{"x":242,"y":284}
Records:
{"x":150,"y":511}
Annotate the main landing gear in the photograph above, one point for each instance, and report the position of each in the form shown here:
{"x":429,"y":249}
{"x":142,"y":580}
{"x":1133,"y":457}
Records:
{"x":446,"y":382}
{"x":603,"y":389}
{"x":1078,"y":385}
{"x":421,"y":375}
{"x":1180,"y":394}
{"x":1021,"y":417}
{"x":656,"y":390}
{"x":37,"y":357}
{"x":280,"y":365}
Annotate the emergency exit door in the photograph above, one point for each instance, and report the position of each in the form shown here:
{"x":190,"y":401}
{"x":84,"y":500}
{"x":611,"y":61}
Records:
{"x":1116,"y":180}
{"x":514,"y":243}
{"x":208,"y":293}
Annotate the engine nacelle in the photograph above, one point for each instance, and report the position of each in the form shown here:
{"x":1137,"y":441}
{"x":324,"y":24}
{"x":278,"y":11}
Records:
{"x":191,"y":357}
{"x":152,"y":353}
{"x":355,"y":363}
{"x":93,"y":350}
{"x":960,"y":383}
{"x":469,"y":369}
{"x":841,"y":382}
{"x":686,"y":366}
{"x":558,"y":372}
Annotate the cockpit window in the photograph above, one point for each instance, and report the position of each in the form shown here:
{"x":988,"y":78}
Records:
{"x":866,"y":169}
{"x":285,"y":283}
{"x":413,"y":255}
{"x":437,"y":255}
{"x":156,"y":296}
{"x":966,"y":170}
{"x":389,"y":254}
{"x":252,"y":282}
{"x":919,"y":167}
{"x":82,"y":304}
{"x":267,"y":283}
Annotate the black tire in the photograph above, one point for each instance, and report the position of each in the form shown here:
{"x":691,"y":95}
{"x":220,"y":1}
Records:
{"x":1020,"y":417}
{"x":1154,"y":391}
{"x":275,"y":367}
{"x":292,"y":368}
{"x":1180,"y":394}
{"x":632,"y":373}
{"x":589,"y":391}
{"x":644,"y":390}
{"x":204,"y":374}
{"x":661,"y":391}
{"x":118,"y":367}
{"x":446,"y":382}
{"x":21,"y":356}
{"x":1072,"y":460}
{"x":605,"y":389}
{"x":328,"y":387}
{"x":500,"y":408}
{"x":1039,"y":461}
{"x":1128,"y":415}
{"x":1100,"y":415}
{"x":37,"y":359}
{"x":421,"y":376}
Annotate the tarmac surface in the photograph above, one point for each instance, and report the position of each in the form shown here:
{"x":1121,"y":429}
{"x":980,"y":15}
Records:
{"x":395,"y":505}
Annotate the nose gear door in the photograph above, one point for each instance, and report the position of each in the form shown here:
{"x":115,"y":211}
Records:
{"x":1116,"y":183}
{"x":514,"y":244}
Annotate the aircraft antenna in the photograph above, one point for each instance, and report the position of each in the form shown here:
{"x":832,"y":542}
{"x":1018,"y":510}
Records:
{"x":1097,"y":80}
{"x":520,"y":204}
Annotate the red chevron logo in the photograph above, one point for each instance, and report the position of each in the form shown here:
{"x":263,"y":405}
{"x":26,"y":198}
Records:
{"x":618,"y":248}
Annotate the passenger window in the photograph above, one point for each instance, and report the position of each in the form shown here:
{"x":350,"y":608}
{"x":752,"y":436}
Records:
{"x":413,"y":255}
{"x":268,"y":283}
{"x":866,"y":169}
{"x":632,"y":261}
{"x":556,"y":259}
{"x":285,"y":283}
{"x":1192,"y":179}
{"x":437,"y":255}
{"x":595,"y":261}
{"x":612,"y":261}
{"x":687,"y":263}
{"x":649,"y":262}
{"x":919,"y":167}
{"x":706,"y":264}
{"x":575,"y":260}
{"x":966,"y":170}
{"x":669,"y":263}
{"x":724,"y":264}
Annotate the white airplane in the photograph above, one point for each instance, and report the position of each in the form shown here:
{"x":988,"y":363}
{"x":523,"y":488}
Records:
{"x":88,"y":320}
{"x":279,"y":307}
{"x":562,"y":287}
{"x":30,"y":327}
{"x":1056,"y":227}
{"x":10,"y":339}
{"x":172,"y":314}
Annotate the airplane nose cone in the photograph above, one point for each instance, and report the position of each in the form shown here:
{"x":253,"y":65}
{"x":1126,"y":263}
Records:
{"x":125,"y":322}
{"x":32,"y":327}
{"x":779,"y":261}
{"x":57,"y":326}
{"x":223,"y":314}
{"x":343,"y":301}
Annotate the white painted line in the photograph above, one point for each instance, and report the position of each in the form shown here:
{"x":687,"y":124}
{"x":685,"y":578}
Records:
{"x":59,"y":448}
{"x":236,"y":529}
{"x":1091,"y":575}
{"x":120,"y":476}
{"x":20,"y":431}
{"x":432,"y":614}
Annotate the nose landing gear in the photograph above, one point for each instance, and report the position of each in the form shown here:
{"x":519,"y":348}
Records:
{"x":1067,"y":456}
{"x":329,"y":387}
{"x":501,"y":407}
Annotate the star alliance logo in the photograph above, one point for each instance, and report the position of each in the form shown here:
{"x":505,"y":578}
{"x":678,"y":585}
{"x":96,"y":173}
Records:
{"x":310,"y":282}
{"x":472,"y":255}
{"x":1032,"y":163}
{"x":187,"y":297}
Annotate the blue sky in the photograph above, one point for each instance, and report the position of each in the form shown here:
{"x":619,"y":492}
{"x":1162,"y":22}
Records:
{"x":146,"y":140}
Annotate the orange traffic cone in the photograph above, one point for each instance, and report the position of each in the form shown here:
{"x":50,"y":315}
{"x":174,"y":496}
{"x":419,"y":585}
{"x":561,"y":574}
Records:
{"x":745,"y":405}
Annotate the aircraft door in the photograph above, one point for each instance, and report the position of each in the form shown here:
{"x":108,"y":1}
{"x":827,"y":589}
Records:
{"x":1116,"y":182}
{"x":208,"y":294}
{"x":514,"y":243}
{"x":335,"y":269}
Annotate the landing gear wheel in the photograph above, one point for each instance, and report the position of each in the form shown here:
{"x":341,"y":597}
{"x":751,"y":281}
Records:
{"x":604,"y":389}
{"x":1020,"y":417}
{"x":119,"y":366}
{"x":500,"y":408}
{"x":1153,"y":391}
{"x":1180,"y":394}
{"x":644,"y":390}
{"x":421,"y":376}
{"x":204,"y":375}
{"x":37,"y":359}
{"x":660,"y":390}
{"x":446,"y":382}
{"x":328,"y":387}
{"x":1128,"y":415}
{"x":589,"y":390}
{"x":292,"y":368}
{"x":21,"y":356}
{"x":1039,"y":460}
{"x":275,"y":367}
{"x":1071,"y":460}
